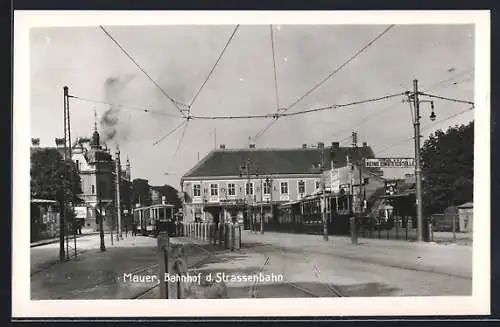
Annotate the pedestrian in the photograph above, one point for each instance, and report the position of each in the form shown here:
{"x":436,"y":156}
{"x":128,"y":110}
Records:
{"x":126,"y":229}
{"x":134,"y":230}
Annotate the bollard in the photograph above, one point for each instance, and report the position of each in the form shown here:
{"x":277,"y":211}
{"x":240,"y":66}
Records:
{"x":237,"y":236}
{"x":233,"y":236}
{"x":354,"y":236}
{"x":205,"y":227}
{"x":163,"y":247}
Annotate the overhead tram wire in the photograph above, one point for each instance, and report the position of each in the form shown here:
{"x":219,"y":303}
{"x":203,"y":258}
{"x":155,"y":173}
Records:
{"x":180,"y":140}
{"x":274,"y":68}
{"x":425,"y":128}
{"x":174,"y":102}
{"x":170,"y":133}
{"x":359,"y":52}
{"x":369,"y":117}
{"x":302,"y":112}
{"x":123,"y":106}
{"x":213,"y":67}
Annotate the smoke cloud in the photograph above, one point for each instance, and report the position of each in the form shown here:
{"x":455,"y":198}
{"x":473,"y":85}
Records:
{"x":114,"y":90}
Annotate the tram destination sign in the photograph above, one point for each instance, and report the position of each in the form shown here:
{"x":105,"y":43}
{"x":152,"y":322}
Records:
{"x":390,"y":163}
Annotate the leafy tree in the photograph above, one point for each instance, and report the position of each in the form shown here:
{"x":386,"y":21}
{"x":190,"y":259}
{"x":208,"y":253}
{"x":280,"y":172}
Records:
{"x":140,"y":192}
{"x":171,"y":195}
{"x":51,"y":176}
{"x":448,"y":168}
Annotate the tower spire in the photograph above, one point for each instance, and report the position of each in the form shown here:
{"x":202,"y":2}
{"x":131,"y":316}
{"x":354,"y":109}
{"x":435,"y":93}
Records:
{"x":95,"y":137}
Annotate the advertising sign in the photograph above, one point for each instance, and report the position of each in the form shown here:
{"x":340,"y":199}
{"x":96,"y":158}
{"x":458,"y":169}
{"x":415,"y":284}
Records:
{"x":335,"y":180}
{"x":390,"y":163}
{"x":81,"y":212}
{"x":391,"y":187}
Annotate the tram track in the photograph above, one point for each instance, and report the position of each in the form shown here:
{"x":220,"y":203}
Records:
{"x":332,"y":290}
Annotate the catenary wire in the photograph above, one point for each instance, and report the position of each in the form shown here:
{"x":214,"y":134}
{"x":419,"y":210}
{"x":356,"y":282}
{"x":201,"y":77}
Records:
{"x":214,"y":66}
{"x":273,"y":46}
{"x":302,"y":112}
{"x":170,"y":133}
{"x":436,"y":86}
{"x":359,"y":52}
{"x":180,"y":140}
{"x":425,"y":128}
{"x":174,"y":102}
{"x":449,"y":79}
{"x":122,"y":106}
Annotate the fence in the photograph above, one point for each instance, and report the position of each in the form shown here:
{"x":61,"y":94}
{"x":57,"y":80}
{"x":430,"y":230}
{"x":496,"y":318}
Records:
{"x":439,"y":228}
{"x":226,"y":235}
{"x":397,"y":228}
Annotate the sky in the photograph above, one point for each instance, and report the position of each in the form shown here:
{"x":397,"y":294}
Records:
{"x":179,"y":58}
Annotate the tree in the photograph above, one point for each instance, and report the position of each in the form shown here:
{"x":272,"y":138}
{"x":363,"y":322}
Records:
{"x":140,"y":192}
{"x":51,"y":176}
{"x":448,"y":168}
{"x":171,"y":195}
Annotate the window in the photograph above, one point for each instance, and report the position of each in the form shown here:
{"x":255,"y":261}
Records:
{"x":196,"y":190}
{"x":249,"y":188}
{"x":214,"y":190}
{"x":267,"y":187}
{"x":93,"y":189}
{"x":231,"y":189}
{"x":284,"y":187}
{"x":316,"y":184}
{"x":302,"y":187}
{"x":77,"y":165}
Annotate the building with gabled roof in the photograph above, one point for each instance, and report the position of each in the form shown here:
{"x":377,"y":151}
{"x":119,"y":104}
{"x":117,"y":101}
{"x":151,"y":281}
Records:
{"x":227,"y":183}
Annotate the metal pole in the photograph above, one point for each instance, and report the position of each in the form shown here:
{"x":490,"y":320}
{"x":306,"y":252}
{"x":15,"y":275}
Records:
{"x":418,"y":169}
{"x":101,"y":224}
{"x":323,"y":199}
{"x":118,"y":204}
{"x":261,"y":208}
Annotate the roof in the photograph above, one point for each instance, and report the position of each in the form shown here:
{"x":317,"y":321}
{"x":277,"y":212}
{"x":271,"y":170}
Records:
{"x":227,"y":162}
{"x":466,"y":205}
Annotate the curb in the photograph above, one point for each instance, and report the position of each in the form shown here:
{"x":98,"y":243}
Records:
{"x":52,"y":241}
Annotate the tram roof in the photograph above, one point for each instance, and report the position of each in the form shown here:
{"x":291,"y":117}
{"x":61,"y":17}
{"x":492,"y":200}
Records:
{"x":153,"y":206}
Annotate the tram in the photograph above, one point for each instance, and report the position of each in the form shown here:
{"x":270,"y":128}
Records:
{"x":151,"y":220}
{"x":304,"y":216}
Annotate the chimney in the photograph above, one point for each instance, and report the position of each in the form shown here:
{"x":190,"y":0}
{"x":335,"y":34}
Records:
{"x":35,"y":142}
{"x":252,"y":146}
{"x":304,"y":146}
{"x":365,"y":144}
{"x":335,"y":146}
{"x":222,"y":146}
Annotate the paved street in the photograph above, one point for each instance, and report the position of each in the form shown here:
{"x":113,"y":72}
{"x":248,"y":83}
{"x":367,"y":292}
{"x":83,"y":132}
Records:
{"x":308,"y":265}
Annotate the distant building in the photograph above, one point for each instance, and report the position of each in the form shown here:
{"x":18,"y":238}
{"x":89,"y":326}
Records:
{"x":227,"y":181}
{"x":96,"y":168}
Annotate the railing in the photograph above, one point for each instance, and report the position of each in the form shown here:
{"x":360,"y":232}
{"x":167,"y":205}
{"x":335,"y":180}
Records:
{"x":225,"y":235}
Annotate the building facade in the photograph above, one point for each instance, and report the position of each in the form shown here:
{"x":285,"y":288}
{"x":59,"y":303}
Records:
{"x":97,"y":170}
{"x":240,"y":184}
